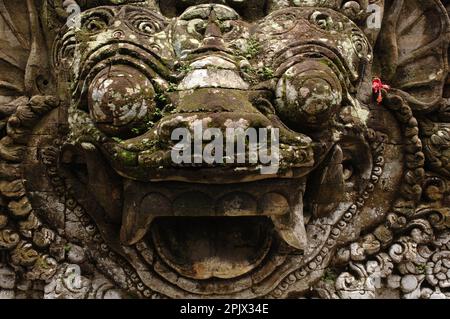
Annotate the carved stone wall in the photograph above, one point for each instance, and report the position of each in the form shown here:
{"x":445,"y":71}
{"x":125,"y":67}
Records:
{"x":92,"y":204}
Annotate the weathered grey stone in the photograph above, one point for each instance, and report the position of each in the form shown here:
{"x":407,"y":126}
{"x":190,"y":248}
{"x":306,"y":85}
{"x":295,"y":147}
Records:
{"x":7,"y":294}
{"x":7,"y":277}
{"x":76,"y":254}
{"x":347,"y":197}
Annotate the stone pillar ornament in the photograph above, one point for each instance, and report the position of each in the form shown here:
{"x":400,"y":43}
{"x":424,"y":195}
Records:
{"x":94,"y":206}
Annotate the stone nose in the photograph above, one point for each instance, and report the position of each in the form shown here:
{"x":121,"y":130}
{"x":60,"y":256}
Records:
{"x":220,"y":109}
{"x":213,"y":28}
{"x":213,"y":32}
{"x":221,"y":121}
{"x":214,"y":100}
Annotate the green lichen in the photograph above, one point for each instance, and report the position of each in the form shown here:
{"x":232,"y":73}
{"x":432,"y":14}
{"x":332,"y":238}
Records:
{"x":82,"y":36}
{"x":253,"y":48}
{"x":117,"y":139}
{"x":149,"y":121}
{"x":158,"y":113}
{"x":42,"y":263}
{"x":330,"y":276}
{"x":172,"y":87}
{"x":154,"y":144}
{"x":184,"y":68}
{"x":266,"y":73}
{"x":128,"y":158}
{"x":254,"y":75}
{"x":161,"y":98}
{"x":421,"y":269}
{"x":136,"y":130}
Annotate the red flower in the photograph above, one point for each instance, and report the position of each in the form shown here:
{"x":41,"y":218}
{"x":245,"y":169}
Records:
{"x":377,"y":87}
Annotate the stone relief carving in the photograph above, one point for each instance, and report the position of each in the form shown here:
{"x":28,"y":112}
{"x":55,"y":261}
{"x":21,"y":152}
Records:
{"x":92,"y":205}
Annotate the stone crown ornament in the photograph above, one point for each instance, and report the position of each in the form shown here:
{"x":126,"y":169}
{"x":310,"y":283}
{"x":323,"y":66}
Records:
{"x":92,"y":91}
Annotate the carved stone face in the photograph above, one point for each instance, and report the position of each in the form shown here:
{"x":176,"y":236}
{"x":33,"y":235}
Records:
{"x":129,"y":74}
{"x":139,"y":76}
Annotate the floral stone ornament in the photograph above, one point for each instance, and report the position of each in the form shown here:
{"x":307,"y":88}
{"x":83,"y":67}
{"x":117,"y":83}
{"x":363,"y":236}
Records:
{"x":92,"y":206}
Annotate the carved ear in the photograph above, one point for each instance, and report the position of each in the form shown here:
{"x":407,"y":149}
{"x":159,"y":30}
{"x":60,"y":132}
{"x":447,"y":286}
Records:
{"x":23,"y":56}
{"x":412,"y":51}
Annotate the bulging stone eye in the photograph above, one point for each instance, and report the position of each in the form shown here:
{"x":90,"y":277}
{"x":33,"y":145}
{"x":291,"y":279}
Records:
{"x":120,"y":99}
{"x":308,"y":94}
{"x":144,"y":21}
{"x":147,"y":26}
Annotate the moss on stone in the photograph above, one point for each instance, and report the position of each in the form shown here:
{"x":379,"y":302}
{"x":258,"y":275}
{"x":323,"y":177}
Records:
{"x":128,"y":158}
{"x":253,"y":48}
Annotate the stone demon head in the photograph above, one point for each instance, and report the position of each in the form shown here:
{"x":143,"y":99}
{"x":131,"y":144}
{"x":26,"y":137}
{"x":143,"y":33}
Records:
{"x":90,"y":184}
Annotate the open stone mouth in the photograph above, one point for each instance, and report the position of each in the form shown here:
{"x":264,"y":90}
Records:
{"x":204,"y":248}
{"x":223,"y":231}
{"x":276,"y":199}
{"x":204,"y":228}
{"x":234,"y":224}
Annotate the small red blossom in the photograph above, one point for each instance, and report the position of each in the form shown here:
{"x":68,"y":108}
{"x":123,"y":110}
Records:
{"x":378,"y":87}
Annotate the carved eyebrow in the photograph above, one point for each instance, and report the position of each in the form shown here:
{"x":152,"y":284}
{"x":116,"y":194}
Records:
{"x":222,"y":12}
{"x":105,"y":12}
{"x":133,"y":10}
{"x":108,"y":9}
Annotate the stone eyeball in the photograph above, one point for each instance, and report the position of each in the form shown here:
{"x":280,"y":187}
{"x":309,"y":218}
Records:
{"x":145,"y":25}
{"x":120,"y":98}
{"x":308,"y":94}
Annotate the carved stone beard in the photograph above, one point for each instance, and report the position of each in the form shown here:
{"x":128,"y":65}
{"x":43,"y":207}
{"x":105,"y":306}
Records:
{"x":350,"y":169}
